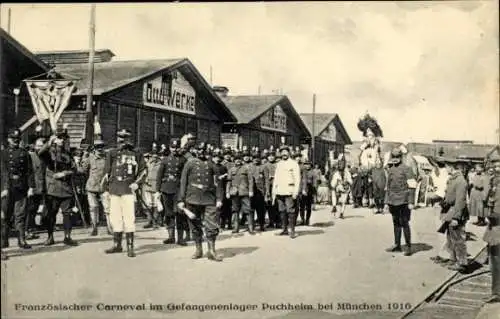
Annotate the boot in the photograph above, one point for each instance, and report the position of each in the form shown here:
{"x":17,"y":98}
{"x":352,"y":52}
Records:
{"x":236,"y":222}
{"x":407,"y":234}
{"x":149,"y":224}
{"x":188,"y":235}
{"x":171,"y":237}
{"x":211,"y":254}
{"x":397,"y":240}
{"x":50,"y":240}
{"x":180,"y":238}
{"x":155,"y":218}
{"x":334,"y":209}
{"x":250,"y":220}
{"x":408,"y":251}
{"x":199,"y":251}
{"x":130,"y":244}
{"x":117,"y":244}
{"x":284,"y":225}
{"x":292,"y":221}
{"x":4,"y":256}
{"x":94,"y":230}
{"x":67,"y":239}
{"x":21,"y":240}
{"x":5,"y":234}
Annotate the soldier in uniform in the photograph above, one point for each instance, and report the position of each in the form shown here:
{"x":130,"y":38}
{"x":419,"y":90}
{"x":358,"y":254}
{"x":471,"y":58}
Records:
{"x":94,"y":165}
{"x":286,"y":186}
{"x":17,"y":185}
{"x":168,"y":182}
{"x":401,"y":186}
{"x":455,"y":199}
{"x":226,"y":202}
{"x":261,"y":188}
{"x":240,"y":190}
{"x":308,"y":183}
{"x":492,"y":235}
{"x":125,"y":171}
{"x":37,"y":201}
{"x":201,"y":194}
{"x":60,"y":169}
{"x":222,"y":175}
{"x":272,"y":211}
{"x":150,"y":193}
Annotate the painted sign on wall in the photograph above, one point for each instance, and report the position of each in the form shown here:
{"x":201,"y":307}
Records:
{"x":170,"y":92}
{"x":274,"y":119}
{"x":330,"y":133}
{"x":230,"y":139}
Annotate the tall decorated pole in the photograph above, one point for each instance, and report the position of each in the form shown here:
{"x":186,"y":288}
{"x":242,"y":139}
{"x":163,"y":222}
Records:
{"x":313,"y":133}
{"x":89,"y":127}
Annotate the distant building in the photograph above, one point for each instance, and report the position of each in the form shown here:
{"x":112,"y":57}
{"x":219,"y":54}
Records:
{"x":452,"y":142}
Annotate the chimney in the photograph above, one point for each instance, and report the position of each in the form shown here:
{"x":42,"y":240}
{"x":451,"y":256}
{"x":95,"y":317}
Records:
{"x":221,"y":91}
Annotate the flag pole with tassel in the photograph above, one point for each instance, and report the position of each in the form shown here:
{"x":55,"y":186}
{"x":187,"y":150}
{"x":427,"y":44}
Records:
{"x":89,"y":129}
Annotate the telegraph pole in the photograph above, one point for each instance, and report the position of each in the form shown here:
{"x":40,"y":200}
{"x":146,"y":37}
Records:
{"x":313,"y":140}
{"x":89,"y":109}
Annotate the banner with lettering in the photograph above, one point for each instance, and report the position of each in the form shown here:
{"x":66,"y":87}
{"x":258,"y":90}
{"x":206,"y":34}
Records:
{"x":50,"y":98}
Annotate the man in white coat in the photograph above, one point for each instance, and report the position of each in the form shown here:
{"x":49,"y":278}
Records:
{"x":286,"y":188}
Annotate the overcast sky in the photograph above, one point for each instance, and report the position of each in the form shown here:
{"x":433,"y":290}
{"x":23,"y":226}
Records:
{"x":424,"y":70}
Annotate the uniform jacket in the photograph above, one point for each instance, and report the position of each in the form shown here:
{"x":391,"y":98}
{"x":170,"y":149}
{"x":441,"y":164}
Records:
{"x":286,"y":178}
{"x":18,"y":170}
{"x":481,"y":185}
{"x":240,"y":180}
{"x":222,"y":175}
{"x":379,"y":180}
{"x":271,"y":169}
{"x":124,"y":167}
{"x":309,"y":180}
{"x":492,"y":233}
{"x":94,"y":166}
{"x":401,"y":185}
{"x":38,"y":173}
{"x":58,"y":187}
{"x":261,"y":179}
{"x":199,"y":185}
{"x":169,"y":174}
{"x":456,"y":198}
{"x":152,"y":177}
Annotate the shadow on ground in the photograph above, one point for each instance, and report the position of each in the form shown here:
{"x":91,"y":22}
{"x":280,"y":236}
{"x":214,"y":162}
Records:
{"x":37,"y":249}
{"x":230,"y":252}
{"x":353,"y":216}
{"x":323,"y":225}
{"x":309,"y":232}
{"x":421,"y":247}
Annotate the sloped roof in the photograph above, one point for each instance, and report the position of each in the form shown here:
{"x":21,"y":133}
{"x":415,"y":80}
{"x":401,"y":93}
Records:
{"x":21,"y":48}
{"x":247,"y":108}
{"x":322,"y":120}
{"x":472,"y":151}
{"x":112,"y":75}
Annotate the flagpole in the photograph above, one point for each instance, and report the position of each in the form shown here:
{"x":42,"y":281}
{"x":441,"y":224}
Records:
{"x":313,"y":141}
{"x":89,"y":109}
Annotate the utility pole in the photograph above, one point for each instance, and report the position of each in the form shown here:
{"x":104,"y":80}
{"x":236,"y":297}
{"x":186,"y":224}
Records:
{"x":313,"y":140}
{"x":89,"y":109}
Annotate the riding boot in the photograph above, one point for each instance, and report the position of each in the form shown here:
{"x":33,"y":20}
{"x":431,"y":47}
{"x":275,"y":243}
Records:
{"x":95,"y":220}
{"x":211,"y":254}
{"x":180,"y":237}
{"x":250,"y":220}
{"x":130,"y":244}
{"x":236,"y":223}
{"x":188,"y":234}
{"x":50,"y":239}
{"x":94,"y":230}
{"x":199,"y":251}
{"x":154,"y":218}
{"x":117,"y":244}
{"x":292,"y":221}
{"x":397,"y":240}
{"x":407,"y":234}
{"x":5,"y":234}
{"x":284,"y":224}
{"x":171,"y":237}
{"x":21,"y":239}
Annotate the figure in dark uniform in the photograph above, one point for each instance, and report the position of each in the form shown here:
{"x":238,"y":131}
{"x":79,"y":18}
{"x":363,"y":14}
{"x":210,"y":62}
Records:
{"x":18,"y":183}
{"x":201,"y":194}
{"x":226,"y":202}
{"x":36,"y":203}
{"x":272,"y":210}
{"x":150,"y":194}
{"x":261,"y":187}
{"x":222,"y":174}
{"x":308,"y":182}
{"x":492,"y":235}
{"x":60,"y":169}
{"x":240,"y":190}
{"x":168,"y":182}
{"x":401,"y":186}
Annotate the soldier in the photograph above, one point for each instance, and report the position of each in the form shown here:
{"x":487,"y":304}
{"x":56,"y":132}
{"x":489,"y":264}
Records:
{"x":37,"y":201}
{"x":17,"y":185}
{"x":94,"y":165}
{"x":240,"y":189}
{"x":222,"y":175}
{"x":226,"y":202}
{"x":272,"y":211}
{"x":201,"y":194}
{"x":401,"y":186}
{"x":60,"y":169}
{"x":150,"y":193}
{"x":260,"y":191}
{"x":492,"y":236}
{"x":286,"y":186}
{"x":125,"y":170}
{"x":168,"y":182}
{"x":308,"y":183}
{"x":455,"y":199}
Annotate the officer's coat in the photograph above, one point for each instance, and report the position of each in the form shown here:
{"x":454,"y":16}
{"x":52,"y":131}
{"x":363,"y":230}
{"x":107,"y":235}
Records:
{"x":199,"y":185}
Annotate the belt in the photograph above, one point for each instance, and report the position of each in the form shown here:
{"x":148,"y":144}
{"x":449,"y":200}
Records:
{"x":478,"y":188}
{"x":199,"y":186}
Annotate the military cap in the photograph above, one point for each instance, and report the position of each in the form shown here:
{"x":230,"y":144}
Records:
{"x":307,"y":161}
{"x":227,"y":150}
{"x":99,"y":143}
{"x":201,"y":146}
{"x":216,"y":152}
{"x":396,"y":153}
{"x":124,"y":133}
{"x":284,"y":148}
{"x":265,"y":153}
{"x":175,"y":143}
{"x":15,"y":134}
{"x":271,"y":153}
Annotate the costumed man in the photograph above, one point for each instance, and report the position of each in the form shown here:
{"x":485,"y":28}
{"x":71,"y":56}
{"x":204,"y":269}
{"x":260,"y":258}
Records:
{"x":226,"y":202}
{"x":125,"y":171}
{"x":36,"y":203}
{"x":168,"y":182}
{"x":261,"y":186}
{"x":150,"y":192}
{"x":379,"y":180}
{"x":370,"y":153}
{"x":308,"y":183}
{"x":272,"y":210}
{"x":200,"y":194}
{"x":400,"y":191}
{"x":80,"y":178}
{"x":286,"y":186}
{"x":61,"y":194}
{"x":94,"y":166}
{"x":455,"y":201}
{"x":240,"y":187}
{"x":341,"y":186}
{"x":18,"y":183}
{"x":492,"y":235}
